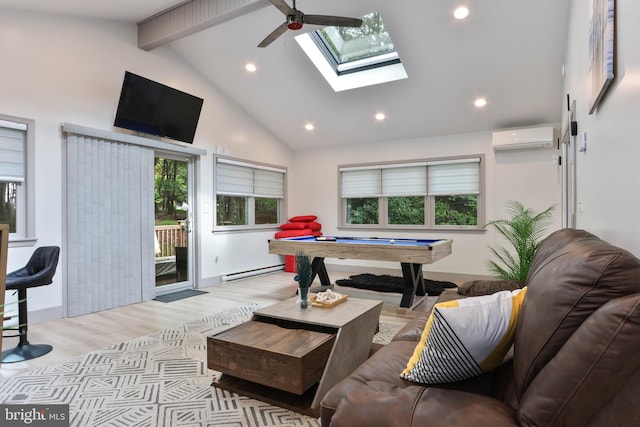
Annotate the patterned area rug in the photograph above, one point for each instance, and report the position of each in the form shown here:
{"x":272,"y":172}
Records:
{"x":156,"y":380}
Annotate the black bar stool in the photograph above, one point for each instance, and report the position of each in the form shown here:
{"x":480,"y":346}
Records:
{"x":39,"y":271}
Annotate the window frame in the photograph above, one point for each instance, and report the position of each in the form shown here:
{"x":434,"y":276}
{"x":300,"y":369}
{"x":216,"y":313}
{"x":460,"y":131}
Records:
{"x":251,"y":225}
{"x":429,"y":199}
{"x":351,"y":74}
{"x":25,"y":234}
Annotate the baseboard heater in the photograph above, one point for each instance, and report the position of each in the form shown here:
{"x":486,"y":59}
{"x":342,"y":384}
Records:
{"x":250,"y":273}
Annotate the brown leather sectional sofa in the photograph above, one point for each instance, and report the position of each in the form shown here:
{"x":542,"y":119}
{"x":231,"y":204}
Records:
{"x":576,"y":356}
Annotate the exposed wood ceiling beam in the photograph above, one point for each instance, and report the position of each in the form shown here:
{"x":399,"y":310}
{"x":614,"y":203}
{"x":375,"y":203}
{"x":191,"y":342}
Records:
{"x":189,"y":17}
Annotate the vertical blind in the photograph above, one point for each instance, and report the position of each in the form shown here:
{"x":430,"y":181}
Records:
{"x":447,"y":177}
{"x":109,"y":224}
{"x":12,"y":151}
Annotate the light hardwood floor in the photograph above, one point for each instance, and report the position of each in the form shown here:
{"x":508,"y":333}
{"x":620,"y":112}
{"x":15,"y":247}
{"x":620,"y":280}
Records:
{"x":79,"y":335}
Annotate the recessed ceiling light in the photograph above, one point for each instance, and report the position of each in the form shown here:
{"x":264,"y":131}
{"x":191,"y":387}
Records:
{"x":461,"y":12}
{"x":380,"y":116}
{"x":480,"y":102}
{"x":309,"y":126}
{"x":250,"y":67}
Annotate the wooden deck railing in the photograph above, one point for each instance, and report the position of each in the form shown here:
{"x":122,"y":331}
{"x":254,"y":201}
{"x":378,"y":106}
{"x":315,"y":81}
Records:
{"x":169,"y":236}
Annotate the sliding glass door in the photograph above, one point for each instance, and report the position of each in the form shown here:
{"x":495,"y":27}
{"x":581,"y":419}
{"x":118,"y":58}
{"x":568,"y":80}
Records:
{"x":173,"y":223}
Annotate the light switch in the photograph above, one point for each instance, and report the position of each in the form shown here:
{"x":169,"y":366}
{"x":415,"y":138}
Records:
{"x":582,"y":142}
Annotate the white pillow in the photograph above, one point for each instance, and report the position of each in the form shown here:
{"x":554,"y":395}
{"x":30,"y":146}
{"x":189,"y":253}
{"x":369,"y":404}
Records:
{"x":464,"y":338}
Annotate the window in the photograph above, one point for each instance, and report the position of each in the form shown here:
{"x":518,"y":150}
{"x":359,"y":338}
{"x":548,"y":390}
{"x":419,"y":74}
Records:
{"x":16,"y":195}
{"x":351,"y":49}
{"x":248,"y":195}
{"x":350,"y":57}
{"x":443,"y":193}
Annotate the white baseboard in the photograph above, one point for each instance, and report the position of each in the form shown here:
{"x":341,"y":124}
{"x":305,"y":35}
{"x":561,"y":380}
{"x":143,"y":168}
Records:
{"x":46,"y":314}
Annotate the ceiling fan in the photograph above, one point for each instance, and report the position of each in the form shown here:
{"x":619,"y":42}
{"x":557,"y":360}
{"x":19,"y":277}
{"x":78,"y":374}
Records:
{"x":296,"y":19}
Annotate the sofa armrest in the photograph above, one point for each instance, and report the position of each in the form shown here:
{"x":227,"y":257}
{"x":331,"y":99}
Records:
{"x":475,"y":288}
{"x":421,"y":406}
{"x":412,"y":331}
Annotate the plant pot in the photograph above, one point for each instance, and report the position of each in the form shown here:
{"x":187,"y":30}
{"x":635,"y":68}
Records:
{"x":303,"y":298}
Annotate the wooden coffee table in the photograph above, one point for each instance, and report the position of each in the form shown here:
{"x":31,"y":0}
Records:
{"x":291,"y":357}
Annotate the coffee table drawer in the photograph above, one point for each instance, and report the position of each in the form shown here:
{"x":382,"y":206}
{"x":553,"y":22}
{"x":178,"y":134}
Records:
{"x":290,"y":359}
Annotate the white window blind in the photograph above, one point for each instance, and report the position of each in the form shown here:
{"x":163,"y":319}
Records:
{"x":458,"y":177}
{"x":245,"y":179}
{"x":12,"y":152}
{"x":447,"y":177}
{"x":404,"y":181}
{"x":268,"y":183}
{"x":233,"y":179}
{"x":361,"y":183}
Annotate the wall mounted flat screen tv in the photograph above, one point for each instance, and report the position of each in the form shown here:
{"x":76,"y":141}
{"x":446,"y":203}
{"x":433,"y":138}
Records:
{"x":155,"y":109}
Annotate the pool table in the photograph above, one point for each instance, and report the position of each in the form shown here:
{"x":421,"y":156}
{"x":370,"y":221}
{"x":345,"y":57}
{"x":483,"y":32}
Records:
{"x":410,"y":253}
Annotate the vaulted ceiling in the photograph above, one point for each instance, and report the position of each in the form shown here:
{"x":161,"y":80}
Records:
{"x":509,"y":52}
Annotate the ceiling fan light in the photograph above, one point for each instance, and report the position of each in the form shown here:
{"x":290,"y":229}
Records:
{"x":294,"y":25}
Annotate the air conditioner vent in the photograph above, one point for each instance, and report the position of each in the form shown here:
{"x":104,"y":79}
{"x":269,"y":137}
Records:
{"x":523,"y":139}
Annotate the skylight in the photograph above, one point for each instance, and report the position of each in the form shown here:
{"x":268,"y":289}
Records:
{"x":349,"y":57}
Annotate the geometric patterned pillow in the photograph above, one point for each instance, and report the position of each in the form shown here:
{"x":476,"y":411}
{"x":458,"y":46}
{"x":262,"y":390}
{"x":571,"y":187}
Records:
{"x":464,"y":338}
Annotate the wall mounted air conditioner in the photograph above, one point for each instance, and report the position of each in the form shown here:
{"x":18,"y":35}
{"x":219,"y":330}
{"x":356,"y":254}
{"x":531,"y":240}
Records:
{"x":523,"y":139}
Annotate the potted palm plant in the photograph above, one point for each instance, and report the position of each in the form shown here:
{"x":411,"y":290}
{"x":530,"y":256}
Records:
{"x":524,"y":232}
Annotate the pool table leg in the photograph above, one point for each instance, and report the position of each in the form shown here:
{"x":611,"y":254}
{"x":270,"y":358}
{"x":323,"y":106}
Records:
{"x":318,"y":268}
{"x":413,"y":283}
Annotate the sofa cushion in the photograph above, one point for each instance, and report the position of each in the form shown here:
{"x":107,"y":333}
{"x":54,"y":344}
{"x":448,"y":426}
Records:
{"x":420,"y":406}
{"x":379,"y":374}
{"x":565,"y":287}
{"x":464,"y":338}
{"x":588,"y":370}
{"x":383,"y":367}
{"x":554,"y":242}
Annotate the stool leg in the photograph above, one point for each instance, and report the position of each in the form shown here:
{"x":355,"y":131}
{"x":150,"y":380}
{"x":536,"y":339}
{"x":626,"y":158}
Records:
{"x":24,"y":350}
{"x":22,"y":316}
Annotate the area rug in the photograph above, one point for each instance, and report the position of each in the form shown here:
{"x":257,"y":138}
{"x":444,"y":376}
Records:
{"x":176,"y":296}
{"x":156,"y":380}
{"x":391,"y":284}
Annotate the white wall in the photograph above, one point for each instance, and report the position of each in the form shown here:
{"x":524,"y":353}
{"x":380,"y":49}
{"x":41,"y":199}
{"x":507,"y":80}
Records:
{"x":57,"y":69}
{"x":530,"y":177}
{"x":608,"y":176}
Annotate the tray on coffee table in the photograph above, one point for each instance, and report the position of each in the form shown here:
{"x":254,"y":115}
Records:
{"x":323,"y":304}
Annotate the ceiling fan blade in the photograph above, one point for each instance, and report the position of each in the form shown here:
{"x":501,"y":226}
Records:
{"x":331,"y":21}
{"x":274,"y":35}
{"x":282,"y":7}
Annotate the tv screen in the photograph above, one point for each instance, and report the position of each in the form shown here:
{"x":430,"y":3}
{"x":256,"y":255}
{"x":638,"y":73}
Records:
{"x":155,"y":109}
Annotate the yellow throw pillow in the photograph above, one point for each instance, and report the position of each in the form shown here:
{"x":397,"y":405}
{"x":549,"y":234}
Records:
{"x":464,"y":338}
